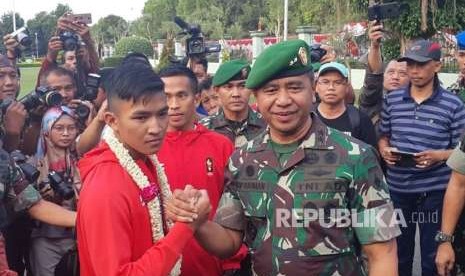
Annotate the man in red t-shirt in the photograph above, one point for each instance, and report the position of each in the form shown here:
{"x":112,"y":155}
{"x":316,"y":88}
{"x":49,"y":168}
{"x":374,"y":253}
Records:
{"x":194,"y":155}
{"x":121,"y":226}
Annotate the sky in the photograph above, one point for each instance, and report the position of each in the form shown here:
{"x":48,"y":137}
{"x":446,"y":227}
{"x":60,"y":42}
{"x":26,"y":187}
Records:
{"x":128,"y":9}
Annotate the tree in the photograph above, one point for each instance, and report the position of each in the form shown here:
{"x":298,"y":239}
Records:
{"x":109,"y":30}
{"x":133,"y":44}
{"x":6,"y":25}
{"x":44,"y":24}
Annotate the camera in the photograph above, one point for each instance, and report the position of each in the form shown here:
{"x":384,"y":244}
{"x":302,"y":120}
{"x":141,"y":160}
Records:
{"x":60,"y":186}
{"x":316,"y":53}
{"x":195,"y":44}
{"x":70,"y":40}
{"x":21,"y":35}
{"x":41,"y":96}
{"x":30,"y":172}
{"x":383,"y":11}
{"x":92,"y":85}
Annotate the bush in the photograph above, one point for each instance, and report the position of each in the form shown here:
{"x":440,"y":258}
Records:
{"x":112,"y":61}
{"x":29,"y":65}
{"x":134,"y":44}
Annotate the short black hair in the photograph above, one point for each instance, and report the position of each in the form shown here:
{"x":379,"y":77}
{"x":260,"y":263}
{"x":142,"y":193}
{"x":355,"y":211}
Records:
{"x":133,"y":82}
{"x":177,"y":70}
{"x":105,"y":77}
{"x":206,"y":84}
{"x":201,"y":60}
{"x":135,"y":57}
{"x":59,"y":71}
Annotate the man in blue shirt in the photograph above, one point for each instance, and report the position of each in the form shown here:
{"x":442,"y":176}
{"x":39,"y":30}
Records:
{"x":426,"y":120}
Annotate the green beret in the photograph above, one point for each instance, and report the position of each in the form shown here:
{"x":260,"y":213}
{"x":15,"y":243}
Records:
{"x":284,"y":59}
{"x":234,"y":69}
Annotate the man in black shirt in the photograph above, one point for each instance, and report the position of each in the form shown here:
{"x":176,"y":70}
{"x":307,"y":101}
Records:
{"x":331,"y":87}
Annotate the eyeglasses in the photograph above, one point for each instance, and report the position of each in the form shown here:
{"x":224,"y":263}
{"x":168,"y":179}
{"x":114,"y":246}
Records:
{"x":328,"y":83}
{"x":61,"y":129}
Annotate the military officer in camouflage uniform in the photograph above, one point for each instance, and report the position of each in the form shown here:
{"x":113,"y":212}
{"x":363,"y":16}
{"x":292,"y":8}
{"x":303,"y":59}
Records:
{"x":453,"y":218}
{"x":459,"y":86}
{"x":17,"y":195}
{"x":288,"y":189}
{"x":236,"y":120}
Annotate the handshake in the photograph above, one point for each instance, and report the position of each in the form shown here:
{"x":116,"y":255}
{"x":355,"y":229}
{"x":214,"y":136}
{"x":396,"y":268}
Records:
{"x":190,"y":206}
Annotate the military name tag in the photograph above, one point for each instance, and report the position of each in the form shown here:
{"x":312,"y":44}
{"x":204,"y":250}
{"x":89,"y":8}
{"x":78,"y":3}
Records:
{"x":257,"y":186}
{"x":330,"y":185}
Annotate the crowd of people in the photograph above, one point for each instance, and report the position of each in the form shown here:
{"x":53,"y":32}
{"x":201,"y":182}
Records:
{"x":180,"y":173}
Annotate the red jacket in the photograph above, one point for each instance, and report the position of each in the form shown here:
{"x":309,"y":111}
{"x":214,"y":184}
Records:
{"x":113,"y":227}
{"x":197,"y":157}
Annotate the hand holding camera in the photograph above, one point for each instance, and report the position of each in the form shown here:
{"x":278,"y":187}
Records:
{"x":11,"y":44}
{"x":375,"y":33}
{"x":54,"y":46}
{"x":14,"y":118}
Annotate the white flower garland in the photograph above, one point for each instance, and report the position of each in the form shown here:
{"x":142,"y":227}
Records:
{"x":128,"y":163}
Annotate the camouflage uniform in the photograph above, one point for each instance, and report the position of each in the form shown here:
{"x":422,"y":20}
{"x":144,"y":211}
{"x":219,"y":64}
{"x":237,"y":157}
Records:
{"x":458,"y":88}
{"x":328,"y":170}
{"x":457,"y":162}
{"x":240,"y":135}
{"x":16,"y":194}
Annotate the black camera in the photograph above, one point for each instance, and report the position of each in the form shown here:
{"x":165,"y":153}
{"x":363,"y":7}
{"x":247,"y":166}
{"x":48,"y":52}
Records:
{"x":383,"y":11}
{"x":92,"y":85}
{"x":61,"y":186}
{"x":41,"y":96}
{"x":316,"y":53}
{"x":195,"y":44}
{"x":30,"y":172}
{"x":70,"y":40}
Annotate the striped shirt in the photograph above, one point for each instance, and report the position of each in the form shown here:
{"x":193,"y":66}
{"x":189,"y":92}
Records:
{"x":435,"y":124}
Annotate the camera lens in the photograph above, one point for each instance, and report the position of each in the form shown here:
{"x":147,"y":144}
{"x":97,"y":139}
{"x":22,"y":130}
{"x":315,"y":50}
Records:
{"x":53,"y":98}
{"x":82,"y":111}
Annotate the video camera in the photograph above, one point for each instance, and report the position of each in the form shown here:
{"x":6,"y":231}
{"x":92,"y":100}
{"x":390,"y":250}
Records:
{"x":92,"y":85}
{"x":195,"y":44}
{"x":41,"y":96}
{"x":382,"y":11}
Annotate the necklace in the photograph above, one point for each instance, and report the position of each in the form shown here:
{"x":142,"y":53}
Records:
{"x":150,"y":194}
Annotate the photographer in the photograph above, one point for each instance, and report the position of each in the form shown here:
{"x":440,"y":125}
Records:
{"x":85,"y":53}
{"x":90,"y":137}
{"x":15,"y":115}
{"x":377,"y":83}
{"x":58,"y":182}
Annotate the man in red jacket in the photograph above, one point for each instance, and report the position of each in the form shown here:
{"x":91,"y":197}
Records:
{"x":194,"y":155}
{"x":121,"y":226}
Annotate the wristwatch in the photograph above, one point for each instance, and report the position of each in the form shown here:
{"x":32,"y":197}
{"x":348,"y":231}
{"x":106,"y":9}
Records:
{"x":443,"y":237}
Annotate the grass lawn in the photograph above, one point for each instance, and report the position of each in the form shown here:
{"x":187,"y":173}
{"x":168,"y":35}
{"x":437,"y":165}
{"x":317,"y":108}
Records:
{"x":28,"y":80}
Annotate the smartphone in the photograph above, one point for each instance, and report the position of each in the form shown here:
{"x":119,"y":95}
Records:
{"x":85,"y":18}
{"x":407,"y":159}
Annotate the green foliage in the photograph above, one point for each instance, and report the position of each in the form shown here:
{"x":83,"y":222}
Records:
{"x":6,"y":25}
{"x":391,"y":49}
{"x":110,"y":29}
{"x":168,"y":50}
{"x":29,"y":65}
{"x":134,"y":44}
{"x":112,"y":61}
{"x":44,"y":24}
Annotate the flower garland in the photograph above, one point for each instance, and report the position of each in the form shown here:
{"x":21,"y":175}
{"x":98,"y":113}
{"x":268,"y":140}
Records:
{"x":149,"y":193}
